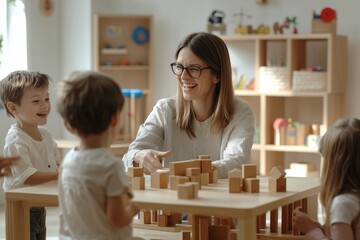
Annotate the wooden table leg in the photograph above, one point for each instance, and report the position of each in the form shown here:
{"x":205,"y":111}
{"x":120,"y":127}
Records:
{"x":14,"y":220}
{"x":246,"y":229}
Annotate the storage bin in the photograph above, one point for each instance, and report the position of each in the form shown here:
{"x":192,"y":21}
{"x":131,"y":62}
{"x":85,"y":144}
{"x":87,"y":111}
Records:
{"x":273,"y":79}
{"x":309,"y":81}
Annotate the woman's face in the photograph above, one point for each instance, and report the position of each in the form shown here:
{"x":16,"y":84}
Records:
{"x":195,"y":89}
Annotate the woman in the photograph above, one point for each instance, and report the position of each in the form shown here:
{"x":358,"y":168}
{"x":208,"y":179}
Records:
{"x":203,"y":119}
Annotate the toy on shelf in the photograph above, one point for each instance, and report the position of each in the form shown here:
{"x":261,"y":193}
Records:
{"x":248,"y":29}
{"x":279,"y":28}
{"x":325,"y":22}
{"x":215,"y":22}
{"x":294,"y":23}
{"x":141,"y":35}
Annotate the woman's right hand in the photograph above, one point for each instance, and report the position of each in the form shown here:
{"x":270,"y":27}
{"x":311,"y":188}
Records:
{"x":150,"y":160}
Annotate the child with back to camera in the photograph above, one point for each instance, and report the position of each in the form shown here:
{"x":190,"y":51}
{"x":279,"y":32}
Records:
{"x":25,"y":95}
{"x":340,"y":185}
{"x":94,"y":197}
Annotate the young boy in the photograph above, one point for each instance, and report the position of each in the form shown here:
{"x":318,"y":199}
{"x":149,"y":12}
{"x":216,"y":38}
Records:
{"x":94,"y":197}
{"x":25,"y":95}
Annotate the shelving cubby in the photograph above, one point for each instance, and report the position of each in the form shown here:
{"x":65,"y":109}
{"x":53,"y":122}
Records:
{"x":290,"y":54}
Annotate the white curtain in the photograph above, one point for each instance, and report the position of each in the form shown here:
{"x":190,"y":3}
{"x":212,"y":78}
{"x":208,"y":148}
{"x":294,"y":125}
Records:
{"x":15,"y":42}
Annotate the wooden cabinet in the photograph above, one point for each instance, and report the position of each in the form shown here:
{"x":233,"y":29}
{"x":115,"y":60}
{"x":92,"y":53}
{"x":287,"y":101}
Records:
{"x":123,"y":50}
{"x":271,"y":64}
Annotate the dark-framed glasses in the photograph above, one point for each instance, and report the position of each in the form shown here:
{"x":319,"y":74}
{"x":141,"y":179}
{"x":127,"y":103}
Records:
{"x":192,"y":71}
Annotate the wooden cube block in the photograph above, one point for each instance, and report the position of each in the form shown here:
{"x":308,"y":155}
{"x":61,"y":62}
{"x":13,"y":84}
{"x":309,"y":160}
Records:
{"x":277,"y":172}
{"x":145,"y":216}
{"x":251,"y":185}
{"x":235,"y":184}
{"x":235,"y":173}
{"x":162,"y":220}
{"x":249,"y":170}
{"x":193,"y":171}
{"x":175,"y":180}
{"x":277,"y":184}
{"x":185,"y":235}
{"x":213,"y":176}
{"x":217,"y":232}
{"x":160,"y":179}
{"x":188,"y":190}
{"x":138,"y":183}
{"x":135,"y":172}
{"x":204,"y":179}
{"x":206,"y":165}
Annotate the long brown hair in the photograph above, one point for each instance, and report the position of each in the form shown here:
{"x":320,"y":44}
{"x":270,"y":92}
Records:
{"x":340,"y":149}
{"x":213,"y":51}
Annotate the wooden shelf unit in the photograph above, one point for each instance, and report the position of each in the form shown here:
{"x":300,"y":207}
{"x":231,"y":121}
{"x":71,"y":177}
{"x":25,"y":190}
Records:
{"x":123,"y":49}
{"x":250,"y":52}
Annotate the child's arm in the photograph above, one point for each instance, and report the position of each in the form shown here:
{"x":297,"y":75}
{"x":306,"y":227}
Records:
{"x":120,"y":210}
{"x":41,"y":177}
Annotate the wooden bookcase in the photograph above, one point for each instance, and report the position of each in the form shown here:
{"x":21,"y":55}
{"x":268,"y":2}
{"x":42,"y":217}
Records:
{"x":250,"y":53}
{"x":123,"y":49}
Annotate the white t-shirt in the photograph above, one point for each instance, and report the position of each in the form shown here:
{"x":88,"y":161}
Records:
{"x":34,"y":155}
{"x":86,"y":179}
{"x":345,"y":208}
{"x":228,"y":150}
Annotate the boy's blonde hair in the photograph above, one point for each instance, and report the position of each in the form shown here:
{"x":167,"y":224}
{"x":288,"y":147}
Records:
{"x":213,"y":51}
{"x":340,"y":149}
{"x":87,"y":100}
{"x":13,"y":86}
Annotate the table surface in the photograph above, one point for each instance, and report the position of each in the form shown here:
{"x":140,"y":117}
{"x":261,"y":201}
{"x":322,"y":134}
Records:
{"x":213,"y":199}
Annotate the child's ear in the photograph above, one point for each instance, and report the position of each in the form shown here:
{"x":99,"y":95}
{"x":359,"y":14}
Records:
{"x":68,"y":127}
{"x":12,"y":107}
{"x":114,"y":119}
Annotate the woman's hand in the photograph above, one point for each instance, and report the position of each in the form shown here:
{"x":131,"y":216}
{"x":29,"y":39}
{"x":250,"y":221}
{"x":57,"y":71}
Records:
{"x":303,"y":222}
{"x":150,"y":160}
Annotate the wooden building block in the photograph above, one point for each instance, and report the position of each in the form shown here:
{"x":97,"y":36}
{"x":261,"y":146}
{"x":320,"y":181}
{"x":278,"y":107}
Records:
{"x":175,"y":180}
{"x":145,"y":216}
{"x":196,"y":179}
{"x":249,"y":170}
{"x":319,"y":26}
{"x":235,"y":173}
{"x":135,"y":172}
{"x":162,"y":220}
{"x":204,"y":179}
{"x":193,"y":171}
{"x":217,"y":232}
{"x":277,"y":184}
{"x":206,"y":165}
{"x":154,"y":214}
{"x":277,"y":172}
{"x":188,"y":190}
{"x":179,"y":168}
{"x":274,"y":220}
{"x":235,"y":184}
{"x":251,"y":185}
{"x":138,"y":183}
{"x":186,"y":235}
{"x":204,"y":157}
{"x":204,"y":224}
{"x":213,"y":176}
{"x":160,"y":179}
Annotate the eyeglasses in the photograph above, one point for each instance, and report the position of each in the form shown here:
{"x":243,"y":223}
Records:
{"x":192,"y":71}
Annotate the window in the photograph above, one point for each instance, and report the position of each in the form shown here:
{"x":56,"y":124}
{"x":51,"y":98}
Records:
{"x":13,"y":54}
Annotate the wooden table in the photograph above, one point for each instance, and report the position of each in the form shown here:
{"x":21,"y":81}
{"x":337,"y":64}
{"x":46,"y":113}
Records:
{"x":214,"y":200}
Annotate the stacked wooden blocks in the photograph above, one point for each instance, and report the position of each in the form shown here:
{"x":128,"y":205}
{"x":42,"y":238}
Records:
{"x":277,"y":180}
{"x":251,"y":183}
{"x":136,"y":177}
